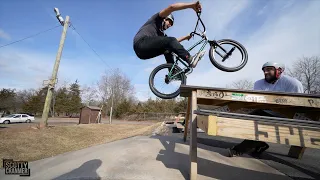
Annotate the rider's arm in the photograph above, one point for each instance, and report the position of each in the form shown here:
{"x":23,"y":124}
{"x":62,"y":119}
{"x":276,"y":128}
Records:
{"x":176,"y":7}
{"x":183,"y":38}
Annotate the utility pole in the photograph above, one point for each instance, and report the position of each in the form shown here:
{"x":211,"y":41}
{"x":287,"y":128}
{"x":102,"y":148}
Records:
{"x":111,"y":107}
{"x":52,"y":81}
{"x":54,"y":102}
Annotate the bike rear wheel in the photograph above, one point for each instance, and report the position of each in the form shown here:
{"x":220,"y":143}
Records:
{"x":181,"y":79}
{"x":236,"y":45}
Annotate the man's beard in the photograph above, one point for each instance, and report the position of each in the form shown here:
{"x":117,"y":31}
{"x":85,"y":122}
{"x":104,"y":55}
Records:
{"x":271,"y":79}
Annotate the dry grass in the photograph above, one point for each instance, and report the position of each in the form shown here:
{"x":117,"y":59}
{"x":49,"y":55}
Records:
{"x":34,"y":144}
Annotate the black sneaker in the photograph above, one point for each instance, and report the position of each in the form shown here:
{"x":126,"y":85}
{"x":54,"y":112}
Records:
{"x":233,"y":152}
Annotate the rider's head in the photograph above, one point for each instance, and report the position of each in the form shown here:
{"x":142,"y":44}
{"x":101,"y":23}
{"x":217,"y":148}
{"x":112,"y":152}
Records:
{"x":272,"y":71}
{"x":168,"y":22}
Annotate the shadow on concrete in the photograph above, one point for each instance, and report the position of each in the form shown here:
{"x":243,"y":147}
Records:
{"x":215,"y":143}
{"x":86,"y":171}
{"x":269,"y":156}
{"x":181,"y":162}
{"x":311,"y":171}
{"x":296,"y":164}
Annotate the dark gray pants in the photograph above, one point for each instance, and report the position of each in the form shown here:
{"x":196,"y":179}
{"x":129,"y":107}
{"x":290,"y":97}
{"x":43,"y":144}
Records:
{"x":150,"y":47}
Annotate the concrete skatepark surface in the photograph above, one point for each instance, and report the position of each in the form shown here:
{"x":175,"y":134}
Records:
{"x":144,"y":157}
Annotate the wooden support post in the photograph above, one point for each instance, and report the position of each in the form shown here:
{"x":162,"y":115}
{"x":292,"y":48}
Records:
{"x":186,"y":123}
{"x":193,"y":137}
{"x":296,"y":152}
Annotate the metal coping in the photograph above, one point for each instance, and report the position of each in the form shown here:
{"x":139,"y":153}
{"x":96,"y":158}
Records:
{"x":273,"y":120}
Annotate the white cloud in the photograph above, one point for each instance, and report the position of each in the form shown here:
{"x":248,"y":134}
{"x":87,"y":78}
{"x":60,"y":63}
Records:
{"x":27,"y":69}
{"x":4,"y":35}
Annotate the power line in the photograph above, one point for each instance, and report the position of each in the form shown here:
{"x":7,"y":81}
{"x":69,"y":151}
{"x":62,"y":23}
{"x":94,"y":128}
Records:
{"x":30,"y":36}
{"x":90,"y":46}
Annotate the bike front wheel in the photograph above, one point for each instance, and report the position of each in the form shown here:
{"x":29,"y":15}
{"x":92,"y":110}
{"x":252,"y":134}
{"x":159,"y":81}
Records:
{"x":161,"y":75}
{"x":220,"y":53}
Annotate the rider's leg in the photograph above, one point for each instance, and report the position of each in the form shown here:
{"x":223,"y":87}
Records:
{"x":169,"y":57}
{"x":170,"y":60}
{"x":175,"y":46}
{"x":150,"y":47}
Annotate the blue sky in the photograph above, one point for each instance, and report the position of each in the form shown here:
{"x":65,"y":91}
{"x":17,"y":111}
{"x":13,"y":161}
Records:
{"x":270,"y":30}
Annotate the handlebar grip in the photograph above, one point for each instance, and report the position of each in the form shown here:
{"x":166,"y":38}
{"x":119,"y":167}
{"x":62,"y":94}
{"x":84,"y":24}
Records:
{"x":191,"y":34}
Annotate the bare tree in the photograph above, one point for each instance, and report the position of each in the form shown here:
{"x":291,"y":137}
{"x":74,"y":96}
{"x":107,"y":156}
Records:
{"x":307,"y":71}
{"x":114,"y":84}
{"x":241,"y":84}
{"x":89,"y":95}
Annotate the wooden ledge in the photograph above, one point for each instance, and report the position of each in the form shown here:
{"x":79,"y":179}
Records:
{"x":297,"y":135}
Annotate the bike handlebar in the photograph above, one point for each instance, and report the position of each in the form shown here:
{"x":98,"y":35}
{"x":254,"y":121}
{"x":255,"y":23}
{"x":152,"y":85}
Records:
{"x":204,"y":27}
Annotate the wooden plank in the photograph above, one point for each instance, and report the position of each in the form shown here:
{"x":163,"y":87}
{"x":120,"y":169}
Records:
{"x":208,"y":124}
{"x":187,"y":120}
{"x":264,"y":126}
{"x":260,"y":98}
{"x":203,"y":122}
{"x":212,"y":125}
{"x":255,"y":130}
{"x":185,"y":91}
{"x":193,"y":138}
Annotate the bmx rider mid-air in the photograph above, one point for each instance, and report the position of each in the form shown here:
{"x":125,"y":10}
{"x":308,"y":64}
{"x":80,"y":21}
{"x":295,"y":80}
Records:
{"x":151,"y":41}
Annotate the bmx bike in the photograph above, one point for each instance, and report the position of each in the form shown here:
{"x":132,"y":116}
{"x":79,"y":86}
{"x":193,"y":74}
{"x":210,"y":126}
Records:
{"x":175,"y":73}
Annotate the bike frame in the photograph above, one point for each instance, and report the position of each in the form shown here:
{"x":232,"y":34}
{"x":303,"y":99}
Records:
{"x":204,"y":41}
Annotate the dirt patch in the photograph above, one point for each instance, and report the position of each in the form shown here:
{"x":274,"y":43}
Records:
{"x":34,"y":144}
